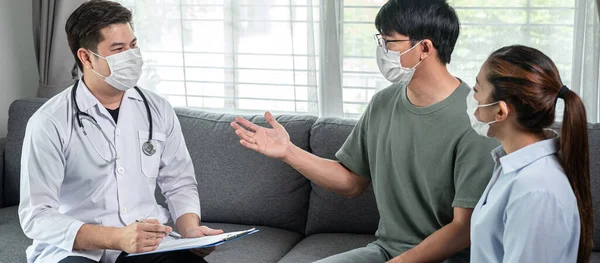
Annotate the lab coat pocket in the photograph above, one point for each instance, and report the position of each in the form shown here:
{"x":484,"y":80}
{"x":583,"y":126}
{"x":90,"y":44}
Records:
{"x":150,"y":162}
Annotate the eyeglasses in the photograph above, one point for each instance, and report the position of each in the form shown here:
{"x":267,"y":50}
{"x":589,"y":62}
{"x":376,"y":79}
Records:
{"x":383,"y":43}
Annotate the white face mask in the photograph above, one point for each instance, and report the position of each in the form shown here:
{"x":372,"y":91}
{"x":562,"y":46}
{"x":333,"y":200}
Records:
{"x":125,"y":69}
{"x":480,"y":127}
{"x":391,"y":68}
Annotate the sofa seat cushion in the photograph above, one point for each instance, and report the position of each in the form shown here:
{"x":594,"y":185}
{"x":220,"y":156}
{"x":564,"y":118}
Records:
{"x":320,"y":246}
{"x":268,"y":245}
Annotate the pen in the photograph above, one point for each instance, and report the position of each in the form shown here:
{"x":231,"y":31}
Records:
{"x":172,"y":233}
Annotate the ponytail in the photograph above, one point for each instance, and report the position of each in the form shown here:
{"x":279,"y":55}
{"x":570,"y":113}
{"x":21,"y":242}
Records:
{"x":575,"y":160}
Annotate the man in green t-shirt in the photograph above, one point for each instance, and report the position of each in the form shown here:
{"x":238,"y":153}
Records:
{"x":414,"y":143}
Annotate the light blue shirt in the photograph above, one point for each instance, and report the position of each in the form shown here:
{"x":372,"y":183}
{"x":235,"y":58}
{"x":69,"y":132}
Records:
{"x":528,"y":212}
{"x":65,"y":183}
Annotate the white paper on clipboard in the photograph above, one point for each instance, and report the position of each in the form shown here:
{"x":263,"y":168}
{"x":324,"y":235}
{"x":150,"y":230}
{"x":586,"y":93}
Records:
{"x":172,"y":244}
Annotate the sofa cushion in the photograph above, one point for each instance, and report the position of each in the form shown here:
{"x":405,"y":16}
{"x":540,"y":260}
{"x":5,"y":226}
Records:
{"x":239,"y":186}
{"x":594,"y":140}
{"x":267,"y":245}
{"x":18,"y":115}
{"x":320,"y":246}
{"x":594,"y":146}
{"x":13,"y":242}
{"x":2,"y":148}
{"x":329,"y":212}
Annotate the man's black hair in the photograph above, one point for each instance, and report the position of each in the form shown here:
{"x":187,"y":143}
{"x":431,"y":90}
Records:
{"x":435,"y":20}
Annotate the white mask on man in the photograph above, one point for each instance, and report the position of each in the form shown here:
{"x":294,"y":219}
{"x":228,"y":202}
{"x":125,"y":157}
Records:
{"x":125,"y":69}
{"x":391,"y":68}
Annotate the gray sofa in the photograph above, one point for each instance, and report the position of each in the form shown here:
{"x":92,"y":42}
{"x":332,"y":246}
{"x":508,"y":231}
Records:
{"x":299,"y":221}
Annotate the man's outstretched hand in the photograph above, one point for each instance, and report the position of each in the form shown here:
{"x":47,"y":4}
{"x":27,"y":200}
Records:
{"x":273,"y":142}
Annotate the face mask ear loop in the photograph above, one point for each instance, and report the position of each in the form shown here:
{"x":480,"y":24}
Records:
{"x":487,"y":105}
{"x":400,"y":56}
{"x":417,"y":64}
{"x":97,"y":55}
{"x":491,"y":104}
{"x":413,"y":47}
{"x":93,"y":68}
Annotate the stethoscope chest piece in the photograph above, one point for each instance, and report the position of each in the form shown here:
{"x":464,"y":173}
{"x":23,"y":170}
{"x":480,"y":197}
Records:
{"x":148,"y":148}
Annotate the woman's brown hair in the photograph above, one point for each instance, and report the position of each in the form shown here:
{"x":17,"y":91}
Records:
{"x":528,"y":80}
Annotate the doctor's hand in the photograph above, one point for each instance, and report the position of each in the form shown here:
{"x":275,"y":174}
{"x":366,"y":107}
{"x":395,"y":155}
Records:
{"x":141,"y":237}
{"x":272,"y":142}
{"x":201,"y":231}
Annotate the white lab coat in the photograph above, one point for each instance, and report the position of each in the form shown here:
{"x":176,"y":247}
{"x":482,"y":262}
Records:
{"x":65,"y":183}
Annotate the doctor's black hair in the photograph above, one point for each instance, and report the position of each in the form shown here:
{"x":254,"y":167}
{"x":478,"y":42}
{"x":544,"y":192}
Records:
{"x":84,"y":24}
{"x":435,"y":20}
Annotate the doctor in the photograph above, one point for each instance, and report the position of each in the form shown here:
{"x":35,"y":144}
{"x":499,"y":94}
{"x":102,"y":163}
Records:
{"x":93,"y":154}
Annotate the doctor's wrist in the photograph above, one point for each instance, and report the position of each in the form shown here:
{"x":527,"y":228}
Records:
{"x":93,"y":237}
{"x":115,"y":239}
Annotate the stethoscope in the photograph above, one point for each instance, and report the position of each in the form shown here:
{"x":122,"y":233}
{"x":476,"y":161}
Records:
{"x":147,"y":148}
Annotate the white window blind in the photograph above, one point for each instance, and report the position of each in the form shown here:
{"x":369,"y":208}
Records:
{"x":236,"y":55}
{"x":248,"y":56}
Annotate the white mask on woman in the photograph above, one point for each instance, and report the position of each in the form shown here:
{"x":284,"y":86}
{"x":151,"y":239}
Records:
{"x":482,"y":128}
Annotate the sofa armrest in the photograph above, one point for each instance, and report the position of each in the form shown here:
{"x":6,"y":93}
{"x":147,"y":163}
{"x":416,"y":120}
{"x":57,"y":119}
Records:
{"x":2,"y":146}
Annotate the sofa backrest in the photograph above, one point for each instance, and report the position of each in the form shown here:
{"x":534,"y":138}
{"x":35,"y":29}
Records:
{"x":329,"y":212}
{"x":238,"y":185}
{"x":594,"y":146}
{"x":594,"y":140}
{"x":18,"y":114}
{"x":2,"y":153}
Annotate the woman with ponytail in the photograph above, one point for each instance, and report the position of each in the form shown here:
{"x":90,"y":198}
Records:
{"x":537,"y":206}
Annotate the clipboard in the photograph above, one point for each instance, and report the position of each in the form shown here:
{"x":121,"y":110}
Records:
{"x":173,"y":244}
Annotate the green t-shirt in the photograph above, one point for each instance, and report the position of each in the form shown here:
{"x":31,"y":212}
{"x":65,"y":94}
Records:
{"x":422,"y":161}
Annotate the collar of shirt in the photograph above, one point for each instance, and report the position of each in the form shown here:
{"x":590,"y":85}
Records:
{"x":526,"y":155}
{"x":86,"y":100}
